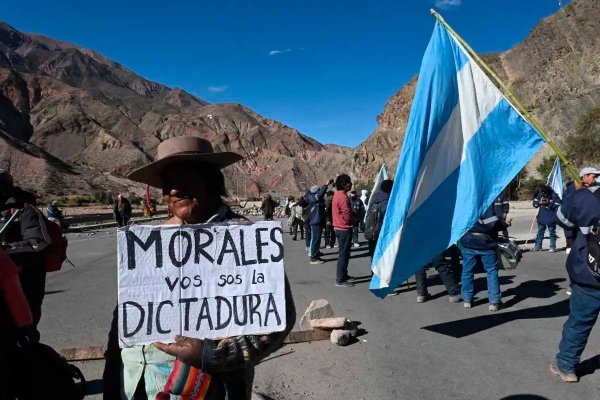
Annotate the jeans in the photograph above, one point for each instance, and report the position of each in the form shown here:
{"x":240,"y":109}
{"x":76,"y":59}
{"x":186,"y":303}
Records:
{"x":329,"y":235}
{"x":315,"y":241}
{"x":540,"y":235}
{"x":446,"y":274}
{"x":584,"y":308}
{"x":489,"y":260}
{"x":344,"y":242}
{"x":355,"y":234}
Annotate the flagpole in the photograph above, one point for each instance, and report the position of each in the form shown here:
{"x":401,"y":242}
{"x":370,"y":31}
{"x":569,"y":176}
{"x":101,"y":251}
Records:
{"x":512,"y":97}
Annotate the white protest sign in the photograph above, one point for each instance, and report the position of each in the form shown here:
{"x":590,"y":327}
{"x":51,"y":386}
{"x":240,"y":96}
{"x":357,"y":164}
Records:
{"x":202,"y":281}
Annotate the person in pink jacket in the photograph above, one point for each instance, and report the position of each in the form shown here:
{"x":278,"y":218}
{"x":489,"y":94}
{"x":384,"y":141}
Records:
{"x":342,"y":224}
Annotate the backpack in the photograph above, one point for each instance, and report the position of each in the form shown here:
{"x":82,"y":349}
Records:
{"x":594,"y":246}
{"x":373,"y":221}
{"x":43,"y":373}
{"x":56,"y":253}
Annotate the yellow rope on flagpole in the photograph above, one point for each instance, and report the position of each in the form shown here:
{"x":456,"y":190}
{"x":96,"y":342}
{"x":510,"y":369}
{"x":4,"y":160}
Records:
{"x":512,"y":97}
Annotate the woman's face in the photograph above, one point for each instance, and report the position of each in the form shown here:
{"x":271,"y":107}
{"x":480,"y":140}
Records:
{"x":186,"y":193}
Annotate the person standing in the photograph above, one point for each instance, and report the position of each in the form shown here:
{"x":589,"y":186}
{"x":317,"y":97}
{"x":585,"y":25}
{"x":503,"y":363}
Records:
{"x":580,"y":212}
{"x":297,"y":223}
{"x":342,"y":224}
{"x":122,"y":210}
{"x":25,"y":240}
{"x":443,"y":266}
{"x":589,"y":176}
{"x":364,"y":197}
{"x":358,"y":214}
{"x":502,"y":207}
{"x":268,"y":207}
{"x":315,"y":202}
{"x":480,"y":243}
{"x":547,"y":201}
{"x":329,"y":232}
{"x":374,"y":220}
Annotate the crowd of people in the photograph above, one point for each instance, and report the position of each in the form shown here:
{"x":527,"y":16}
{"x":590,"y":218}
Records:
{"x":188,"y":172}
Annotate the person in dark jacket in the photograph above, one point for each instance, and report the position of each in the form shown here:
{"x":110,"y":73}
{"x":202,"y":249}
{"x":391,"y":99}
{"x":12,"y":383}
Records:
{"x":547,"y":201}
{"x":189,"y":173}
{"x":589,"y":176}
{"x":122,"y":210}
{"x":481,"y":242}
{"x":378,"y":203}
{"x":315,"y":201}
{"x":25,"y":239}
{"x":268,"y":207}
{"x":358,"y":214}
{"x":329,"y":231}
{"x":580,"y":212}
{"x":502,"y":207}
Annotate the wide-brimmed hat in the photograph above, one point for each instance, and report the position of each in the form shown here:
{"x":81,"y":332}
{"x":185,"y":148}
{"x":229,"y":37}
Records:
{"x":181,"y":149}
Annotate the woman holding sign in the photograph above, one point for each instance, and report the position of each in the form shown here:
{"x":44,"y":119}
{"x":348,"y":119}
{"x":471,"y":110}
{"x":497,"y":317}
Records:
{"x":189,"y":173}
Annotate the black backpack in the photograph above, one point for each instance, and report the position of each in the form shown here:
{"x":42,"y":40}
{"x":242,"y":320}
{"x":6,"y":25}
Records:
{"x":594,"y":246}
{"x":374,"y":221}
{"x":42,"y":373}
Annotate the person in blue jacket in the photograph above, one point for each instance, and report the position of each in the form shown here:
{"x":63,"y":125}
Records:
{"x":547,"y":201}
{"x":315,"y":201}
{"x":481,"y":242}
{"x":579,"y":212}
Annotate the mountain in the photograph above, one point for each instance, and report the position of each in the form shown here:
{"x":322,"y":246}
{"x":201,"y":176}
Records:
{"x":73,"y":121}
{"x":555,"y":73}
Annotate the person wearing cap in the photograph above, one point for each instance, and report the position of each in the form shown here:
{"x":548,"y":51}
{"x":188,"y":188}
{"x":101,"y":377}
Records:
{"x":589,"y":178}
{"x":25,"y":239}
{"x":189,"y":173}
{"x":315,"y":202}
{"x":580,"y":212}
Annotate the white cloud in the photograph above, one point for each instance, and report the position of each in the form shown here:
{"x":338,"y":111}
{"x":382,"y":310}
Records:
{"x":275,"y":52}
{"x":217,"y":89}
{"x":445,"y":4}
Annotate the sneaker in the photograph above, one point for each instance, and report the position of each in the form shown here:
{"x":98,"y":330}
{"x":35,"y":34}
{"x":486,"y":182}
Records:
{"x":317,"y":261}
{"x":422,"y":298}
{"x":493,"y":307}
{"x":454,"y":299}
{"x":356,"y":245}
{"x":294,"y":238}
{"x":564,"y":375}
{"x":568,"y":291}
{"x":536,"y":249}
{"x":552,"y":251}
{"x":336,"y":245}
{"x":467,"y":304}
{"x":344,"y":284}
{"x":568,"y":250}
{"x":328,"y":247}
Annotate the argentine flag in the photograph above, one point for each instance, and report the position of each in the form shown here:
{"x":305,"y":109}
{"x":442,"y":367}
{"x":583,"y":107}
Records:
{"x":555,"y":179}
{"x":464,"y":143}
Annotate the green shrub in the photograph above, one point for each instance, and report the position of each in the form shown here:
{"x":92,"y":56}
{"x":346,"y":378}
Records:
{"x":582,"y":146}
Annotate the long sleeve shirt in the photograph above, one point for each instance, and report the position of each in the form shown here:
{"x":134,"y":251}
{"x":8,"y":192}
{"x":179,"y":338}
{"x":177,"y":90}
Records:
{"x":341,"y":211}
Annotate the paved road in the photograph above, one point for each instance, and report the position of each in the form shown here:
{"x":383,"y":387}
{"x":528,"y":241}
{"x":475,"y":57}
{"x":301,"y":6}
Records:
{"x":435,"y":350}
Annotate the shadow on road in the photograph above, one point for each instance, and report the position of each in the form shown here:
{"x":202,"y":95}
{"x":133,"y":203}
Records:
{"x":471,"y":326}
{"x":589,"y":366}
{"x":524,"y":397}
{"x":54,"y":291}
{"x":536,"y":289}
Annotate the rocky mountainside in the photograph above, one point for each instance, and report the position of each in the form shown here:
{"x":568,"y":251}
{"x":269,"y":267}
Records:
{"x":73,"y":121}
{"x":555,"y":73}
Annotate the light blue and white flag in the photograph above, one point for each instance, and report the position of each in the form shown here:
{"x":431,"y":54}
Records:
{"x":464,"y":143}
{"x":381,"y":176}
{"x":555,"y":179}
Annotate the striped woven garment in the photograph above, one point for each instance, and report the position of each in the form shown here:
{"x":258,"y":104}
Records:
{"x":188,"y":382}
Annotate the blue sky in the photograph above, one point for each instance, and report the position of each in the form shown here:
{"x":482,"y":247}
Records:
{"x":324,"y":67}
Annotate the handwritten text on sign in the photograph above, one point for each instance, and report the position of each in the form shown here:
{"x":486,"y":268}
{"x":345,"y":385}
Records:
{"x":203,"y":281}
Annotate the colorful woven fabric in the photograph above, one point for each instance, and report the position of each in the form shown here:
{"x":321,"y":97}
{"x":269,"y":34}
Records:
{"x":186,"y":381}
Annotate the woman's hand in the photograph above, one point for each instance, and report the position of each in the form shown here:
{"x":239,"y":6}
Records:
{"x":187,"y":350}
